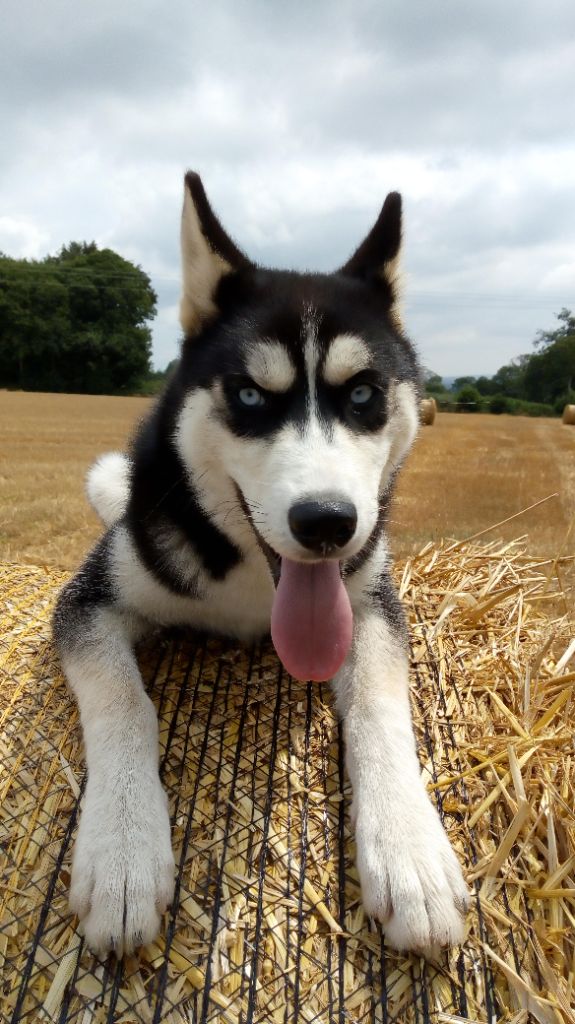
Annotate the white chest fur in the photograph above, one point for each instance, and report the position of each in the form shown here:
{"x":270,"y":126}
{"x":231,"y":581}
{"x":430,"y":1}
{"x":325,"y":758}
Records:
{"x":239,"y":605}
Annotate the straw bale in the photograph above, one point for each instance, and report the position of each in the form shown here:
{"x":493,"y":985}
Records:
{"x":427,"y":411}
{"x":268,"y":923}
{"x":569,"y":414}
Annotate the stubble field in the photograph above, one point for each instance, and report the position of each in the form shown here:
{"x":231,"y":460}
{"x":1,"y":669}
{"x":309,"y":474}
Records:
{"x":465,"y":474}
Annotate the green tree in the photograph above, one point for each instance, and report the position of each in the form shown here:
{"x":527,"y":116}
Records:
{"x":565,"y":330}
{"x":434,"y":383}
{"x":468,"y":399}
{"x":77,"y":321}
{"x":485,"y":386}
{"x":499,"y":404}
{"x":509,"y":379}
{"x":33,"y":317}
{"x":550,"y":373}
{"x":462,"y":382}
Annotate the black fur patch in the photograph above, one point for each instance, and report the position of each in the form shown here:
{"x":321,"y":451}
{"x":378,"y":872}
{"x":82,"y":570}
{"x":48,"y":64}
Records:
{"x":91,"y":587}
{"x":162,"y":495}
{"x":385,"y":599}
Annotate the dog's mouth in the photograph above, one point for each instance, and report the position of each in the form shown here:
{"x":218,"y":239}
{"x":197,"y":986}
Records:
{"x":312,"y":621}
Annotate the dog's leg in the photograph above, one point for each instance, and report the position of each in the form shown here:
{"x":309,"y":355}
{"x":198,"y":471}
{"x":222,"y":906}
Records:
{"x":410,"y":877}
{"x":123,"y":866}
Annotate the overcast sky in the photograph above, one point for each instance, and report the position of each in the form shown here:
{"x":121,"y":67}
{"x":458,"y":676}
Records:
{"x":300,"y":116}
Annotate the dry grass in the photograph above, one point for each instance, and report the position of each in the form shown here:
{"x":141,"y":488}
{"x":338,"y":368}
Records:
{"x":465,"y":473}
{"x":268,"y":925}
{"x":48,"y":443}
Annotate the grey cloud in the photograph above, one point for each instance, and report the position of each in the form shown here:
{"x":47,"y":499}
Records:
{"x":404,"y":75}
{"x":300,"y":117}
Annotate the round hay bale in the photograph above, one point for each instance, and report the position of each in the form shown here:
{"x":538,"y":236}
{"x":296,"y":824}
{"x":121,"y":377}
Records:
{"x":427,"y":411}
{"x":255,"y":784}
{"x":569,"y":414}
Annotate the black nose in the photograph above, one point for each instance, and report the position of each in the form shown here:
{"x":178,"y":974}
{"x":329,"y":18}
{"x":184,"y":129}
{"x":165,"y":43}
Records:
{"x":323,"y":524}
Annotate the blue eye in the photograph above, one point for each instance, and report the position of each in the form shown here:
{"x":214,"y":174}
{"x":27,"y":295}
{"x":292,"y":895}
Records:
{"x":361,"y":394}
{"x":251,"y":397}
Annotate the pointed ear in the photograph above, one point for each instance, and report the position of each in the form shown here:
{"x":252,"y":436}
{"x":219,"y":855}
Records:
{"x":377,"y":258}
{"x":208,"y":254}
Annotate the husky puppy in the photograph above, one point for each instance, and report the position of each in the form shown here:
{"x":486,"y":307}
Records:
{"x":255,"y":494}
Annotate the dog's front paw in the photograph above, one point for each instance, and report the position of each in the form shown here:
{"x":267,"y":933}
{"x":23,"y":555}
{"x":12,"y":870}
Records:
{"x":411,"y":880}
{"x":123,"y":869}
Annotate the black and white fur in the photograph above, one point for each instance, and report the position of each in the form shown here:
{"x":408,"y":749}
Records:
{"x":197,"y":519}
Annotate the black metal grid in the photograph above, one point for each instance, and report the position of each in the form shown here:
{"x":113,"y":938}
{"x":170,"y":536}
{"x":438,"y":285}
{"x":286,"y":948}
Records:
{"x":216,"y":685}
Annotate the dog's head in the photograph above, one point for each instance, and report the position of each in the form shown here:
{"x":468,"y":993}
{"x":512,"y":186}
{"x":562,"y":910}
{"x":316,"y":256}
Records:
{"x":300,"y":388}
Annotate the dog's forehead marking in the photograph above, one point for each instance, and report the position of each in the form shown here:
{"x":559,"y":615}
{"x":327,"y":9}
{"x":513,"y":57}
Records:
{"x":310,"y":325}
{"x":269,"y":365}
{"x":347,"y":355}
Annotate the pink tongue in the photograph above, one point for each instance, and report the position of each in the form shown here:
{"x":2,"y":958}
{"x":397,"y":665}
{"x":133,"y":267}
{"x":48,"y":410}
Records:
{"x":312,"y":621}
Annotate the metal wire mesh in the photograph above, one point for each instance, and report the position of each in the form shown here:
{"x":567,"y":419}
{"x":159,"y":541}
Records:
{"x":267,"y":923}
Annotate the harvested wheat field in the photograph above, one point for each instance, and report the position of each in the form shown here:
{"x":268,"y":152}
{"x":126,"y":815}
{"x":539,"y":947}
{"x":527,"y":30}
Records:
{"x":268,"y":925}
{"x":465,"y":473}
{"x":48,"y":443}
